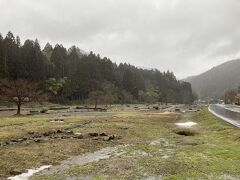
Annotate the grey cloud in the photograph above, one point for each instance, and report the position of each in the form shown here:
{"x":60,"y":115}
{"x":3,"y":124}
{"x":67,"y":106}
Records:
{"x":185,"y":36}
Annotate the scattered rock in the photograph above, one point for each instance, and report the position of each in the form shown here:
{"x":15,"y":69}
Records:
{"x":14,"y":140}
{"x":36,"y":135}
{"x":37,"y":140}
{"x":78,"y":135}
{"x":66,"y":115}
{"x":20,"y":140}
{"x":111,"y":137}
{"x":93,"y":134}
{"x":59,"y":131}
{"x":15,"y":172}
{"x":156,"y":107}
{"x":31,"y":132}
{"x":58,"y":120}
{"x":103,"y":134}
{"x":56,"y":136}
{"x":97,"y":138}
{"x":107,"y":137}
{"x":11,"y":142}
{"x":48,"y":133}
{"x":123,"y":128}
{"x":68,"y":131}
{"x":43,"y":111}
{"x":114,"y":137}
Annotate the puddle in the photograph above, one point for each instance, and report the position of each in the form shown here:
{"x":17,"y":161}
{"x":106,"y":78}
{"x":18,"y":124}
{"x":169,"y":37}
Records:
{"x":188,"y":124}
{"x":101,"y":154}
{"x":166,"y":150}
{"x":104,"y":153}
{"x":29,"y":173}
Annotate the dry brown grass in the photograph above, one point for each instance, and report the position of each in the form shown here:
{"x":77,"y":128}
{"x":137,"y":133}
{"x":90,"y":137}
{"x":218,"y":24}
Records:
{"x":132,"y":126}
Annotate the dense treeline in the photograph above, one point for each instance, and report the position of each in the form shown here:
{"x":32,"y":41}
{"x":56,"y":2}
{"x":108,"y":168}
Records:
{"x":70,"y":74}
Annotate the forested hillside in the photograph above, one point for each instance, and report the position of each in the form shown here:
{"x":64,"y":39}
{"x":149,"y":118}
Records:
{"x":215,"y":82}
{"x":70,"y":74}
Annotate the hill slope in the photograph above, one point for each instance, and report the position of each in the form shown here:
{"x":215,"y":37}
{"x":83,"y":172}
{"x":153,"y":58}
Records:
{"x":213,"y":83}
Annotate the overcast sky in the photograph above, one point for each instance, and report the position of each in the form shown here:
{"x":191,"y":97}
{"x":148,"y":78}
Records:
{"x":184,"y":36}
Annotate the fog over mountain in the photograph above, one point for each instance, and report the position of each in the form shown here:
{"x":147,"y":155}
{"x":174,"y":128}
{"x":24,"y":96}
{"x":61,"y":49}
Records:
{"x":214,"y":82}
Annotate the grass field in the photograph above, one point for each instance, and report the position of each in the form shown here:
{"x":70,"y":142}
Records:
{"x":153,"y":147}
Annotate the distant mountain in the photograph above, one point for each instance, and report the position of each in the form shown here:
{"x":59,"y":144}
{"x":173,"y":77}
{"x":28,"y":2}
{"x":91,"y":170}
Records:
{"x":214,"y":82}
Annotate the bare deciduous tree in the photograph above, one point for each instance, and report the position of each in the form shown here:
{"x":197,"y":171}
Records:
{"x":94,"y":97}
{"x":21,"y":92}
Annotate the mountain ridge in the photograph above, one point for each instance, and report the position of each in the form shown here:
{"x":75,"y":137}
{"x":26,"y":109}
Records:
{"x":214,"y":82}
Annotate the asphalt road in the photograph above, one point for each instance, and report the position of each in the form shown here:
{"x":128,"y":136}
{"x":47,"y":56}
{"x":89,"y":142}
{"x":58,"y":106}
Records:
{"x":229,"y":113}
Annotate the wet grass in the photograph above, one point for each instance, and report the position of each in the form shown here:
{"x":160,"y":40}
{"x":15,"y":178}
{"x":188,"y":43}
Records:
{"x":212,"y":153}
{"x":155,"y":149}
{"x":132,"y":126}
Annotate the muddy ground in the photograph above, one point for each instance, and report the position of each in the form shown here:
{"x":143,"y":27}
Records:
{"x":126,"y":142}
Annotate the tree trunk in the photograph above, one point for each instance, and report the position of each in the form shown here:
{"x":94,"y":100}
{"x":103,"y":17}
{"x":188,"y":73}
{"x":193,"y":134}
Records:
{"x":95,"y":106}
{"x":18,"y":109}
